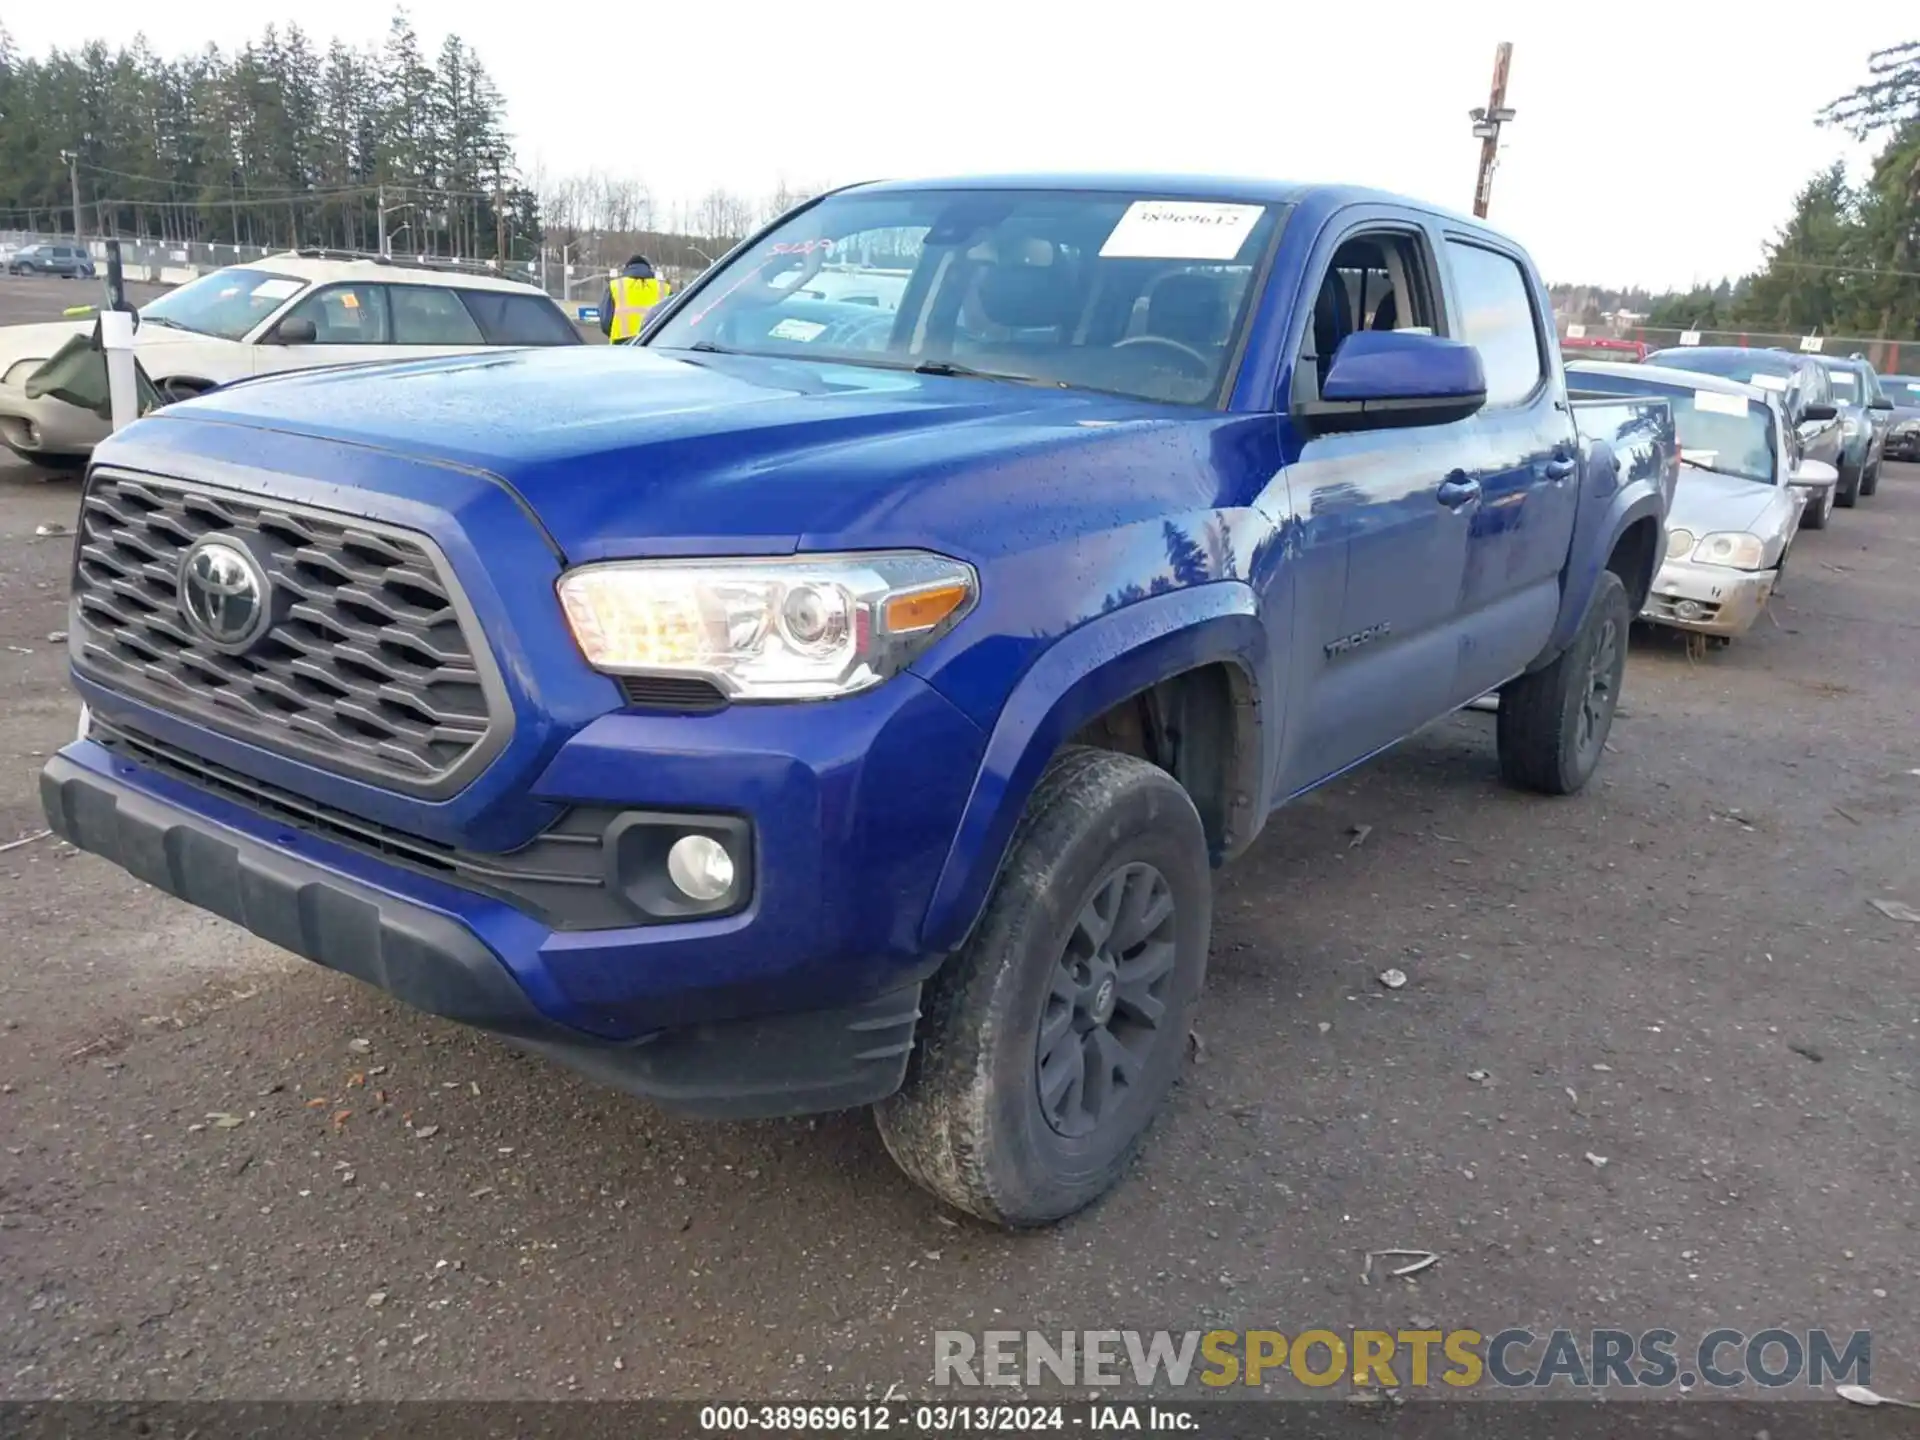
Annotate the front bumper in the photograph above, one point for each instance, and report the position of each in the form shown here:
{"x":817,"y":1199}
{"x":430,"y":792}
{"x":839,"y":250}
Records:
{"x":801,"y":1001}
{"x":1709,"y":599}
{"x":47,"y":426}
{"x":283,"y":889}
{"x":1903,"y":446}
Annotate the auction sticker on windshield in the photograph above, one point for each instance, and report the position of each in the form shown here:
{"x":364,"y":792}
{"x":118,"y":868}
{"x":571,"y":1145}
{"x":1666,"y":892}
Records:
{"x":1720,"y":404}
{"x":1776,"y":383}
{"x":1180,"y":230}
{"x":791,"y":329}
{"x":276,"y":289}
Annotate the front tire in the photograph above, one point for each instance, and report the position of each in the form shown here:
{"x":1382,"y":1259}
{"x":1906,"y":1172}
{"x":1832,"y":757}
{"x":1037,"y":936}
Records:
{"x":1815,"y":516}
{"x":59,"y":463}
{"x":1870,"y":480}
{"x":1847,"y":492}
{"x":174,"y":390}
{"x":1553,"y":723}
{"x":1052,"y":1038}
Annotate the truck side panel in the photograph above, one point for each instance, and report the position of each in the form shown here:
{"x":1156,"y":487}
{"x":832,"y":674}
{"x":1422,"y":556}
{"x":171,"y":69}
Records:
{"x":1629,"y":465}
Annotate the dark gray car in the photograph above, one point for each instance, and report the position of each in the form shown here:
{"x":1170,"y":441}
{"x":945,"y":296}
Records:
{"x":70,"y":261}
{"x":1805,"y":391}
{"x":1864,"y":417}
{"x":1903,"y":430}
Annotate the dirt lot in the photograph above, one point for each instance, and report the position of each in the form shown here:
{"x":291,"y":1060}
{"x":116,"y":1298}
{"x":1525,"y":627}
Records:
{"x":1678,"y":972}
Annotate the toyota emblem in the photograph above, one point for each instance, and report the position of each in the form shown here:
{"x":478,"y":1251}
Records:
{"x":224,"y":593}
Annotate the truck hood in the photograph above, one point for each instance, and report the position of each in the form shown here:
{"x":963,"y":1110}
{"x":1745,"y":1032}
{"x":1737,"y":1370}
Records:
{"x":623,"y":451}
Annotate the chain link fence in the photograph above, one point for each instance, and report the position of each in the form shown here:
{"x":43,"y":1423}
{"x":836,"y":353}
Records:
{"x":161,"y":263}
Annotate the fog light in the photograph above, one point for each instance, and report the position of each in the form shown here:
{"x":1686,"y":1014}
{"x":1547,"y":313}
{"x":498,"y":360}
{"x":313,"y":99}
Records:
{"x":700,"y":868}
{"x":1686,"y":610}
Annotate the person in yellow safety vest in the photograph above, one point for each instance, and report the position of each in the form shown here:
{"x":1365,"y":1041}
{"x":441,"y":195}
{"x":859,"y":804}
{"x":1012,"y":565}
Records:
{"x":630,"y":295}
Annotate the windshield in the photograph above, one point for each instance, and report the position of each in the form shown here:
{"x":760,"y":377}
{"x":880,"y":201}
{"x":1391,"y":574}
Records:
{"x":227,"y":303}
{"x":1903,"y":390}
{"x":1728,"y":434}
{"x":1090,"y":290}
{"x":1846,"y":384}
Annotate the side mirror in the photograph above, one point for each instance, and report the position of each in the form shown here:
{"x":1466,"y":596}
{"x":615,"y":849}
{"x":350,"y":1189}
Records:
{"x":1881,"y":404}
{"x":1814,"y":472}
{"x":1385,"y":378}
{"x":1818,"y":413}
{"x":296,"y":331}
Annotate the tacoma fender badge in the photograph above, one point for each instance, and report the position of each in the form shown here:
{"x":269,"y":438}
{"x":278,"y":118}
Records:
{"x":1358,"y":638}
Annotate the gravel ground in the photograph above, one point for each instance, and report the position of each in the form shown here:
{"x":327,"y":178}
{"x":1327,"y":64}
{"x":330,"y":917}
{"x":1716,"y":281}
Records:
{"x":1678,"y":972}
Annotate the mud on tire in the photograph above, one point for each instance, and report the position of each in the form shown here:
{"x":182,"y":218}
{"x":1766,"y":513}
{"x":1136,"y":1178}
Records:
{"x":1095,"y":937}
{"x":1553,"y":723}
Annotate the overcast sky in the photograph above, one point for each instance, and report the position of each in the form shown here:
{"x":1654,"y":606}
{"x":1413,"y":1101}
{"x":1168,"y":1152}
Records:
{"x":1656,"y":143}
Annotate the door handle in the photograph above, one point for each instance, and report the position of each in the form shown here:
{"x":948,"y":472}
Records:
{"x":1458,"y":489}
{"x":1560,"y":468}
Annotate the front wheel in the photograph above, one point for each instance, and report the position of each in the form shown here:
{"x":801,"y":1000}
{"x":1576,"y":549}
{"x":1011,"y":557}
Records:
{"x":175,"y":389}
{"x":1870,"y":479}
{"x":1553,"y":723}
{"x":1847,"y":492}
{"x":57,"y":463}
{"x":1052,"y":1038}
{"x":1814,"y":517}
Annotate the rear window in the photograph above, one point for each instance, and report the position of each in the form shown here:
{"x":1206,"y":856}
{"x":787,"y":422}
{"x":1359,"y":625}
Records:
{"x":508,"y":319}
{"x":424,"y":315}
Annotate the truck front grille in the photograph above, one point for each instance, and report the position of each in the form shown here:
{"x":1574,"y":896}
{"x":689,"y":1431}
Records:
{"x":372,"y":665}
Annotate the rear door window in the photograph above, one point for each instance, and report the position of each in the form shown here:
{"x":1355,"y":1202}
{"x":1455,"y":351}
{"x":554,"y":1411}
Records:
{"x":505,"y":318}
{"x":1497,"y":318}
{"x":430,"y":315}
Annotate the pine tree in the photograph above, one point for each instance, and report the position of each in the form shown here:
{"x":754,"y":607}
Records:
{"x":278,"y":143}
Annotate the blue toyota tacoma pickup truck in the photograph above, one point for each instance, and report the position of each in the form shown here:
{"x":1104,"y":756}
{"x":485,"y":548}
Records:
{"x":840,"y":695}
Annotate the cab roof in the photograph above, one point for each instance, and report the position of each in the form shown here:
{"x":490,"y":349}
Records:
{"x":1229,"y":188}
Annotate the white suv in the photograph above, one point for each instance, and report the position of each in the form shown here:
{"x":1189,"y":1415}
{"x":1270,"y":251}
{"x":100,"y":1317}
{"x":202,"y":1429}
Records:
{"x":286,"y":312}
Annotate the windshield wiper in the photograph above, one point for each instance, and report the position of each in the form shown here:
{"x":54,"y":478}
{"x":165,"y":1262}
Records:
{"x":707,"y":347}
{"x":1686,"y":459}
{"x":953,"y":367}
{"x":169,"y":324}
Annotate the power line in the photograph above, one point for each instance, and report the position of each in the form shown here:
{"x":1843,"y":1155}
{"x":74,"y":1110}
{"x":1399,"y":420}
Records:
{"x":408,"y":193}
{"x":1847,"y":269}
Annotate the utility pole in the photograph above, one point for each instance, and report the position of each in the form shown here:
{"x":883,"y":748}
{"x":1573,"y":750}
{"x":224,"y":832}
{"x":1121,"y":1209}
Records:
{"x":380,"y":209}
{"x":72,"y":157}
{"x":1486,"y":126}
{"x":500,"y":231}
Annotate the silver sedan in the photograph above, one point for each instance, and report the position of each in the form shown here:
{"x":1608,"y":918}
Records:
{"x":1739,"y":502}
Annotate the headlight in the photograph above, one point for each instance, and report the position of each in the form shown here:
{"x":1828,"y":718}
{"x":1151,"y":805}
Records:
{"x":1907,"y":427}
{"x":17,"y":372}
{"x":1735,"y":548}
{"x":1679,"y":542}
{"x":807,"y":628}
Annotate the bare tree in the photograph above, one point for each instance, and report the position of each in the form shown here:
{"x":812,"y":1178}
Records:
{"x":785,"y":197}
